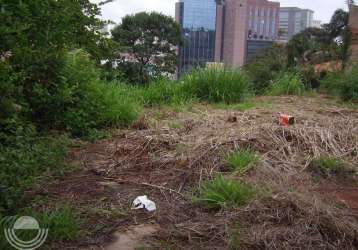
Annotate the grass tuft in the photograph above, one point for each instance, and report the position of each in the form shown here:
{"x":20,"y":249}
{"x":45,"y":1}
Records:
{"x":242,"y":161}
{"x":328,"y":166}
{"x":222,"y":192}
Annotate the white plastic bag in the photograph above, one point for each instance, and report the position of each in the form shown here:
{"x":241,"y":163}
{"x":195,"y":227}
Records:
{"x":143,"y":202}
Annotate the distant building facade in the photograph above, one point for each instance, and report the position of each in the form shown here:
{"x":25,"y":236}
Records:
{"x":317,"y":24}
{"x":225,"y":31}
{"x":198,"y":21}
{"x":353,"y":26}
{"x":294,"y":20}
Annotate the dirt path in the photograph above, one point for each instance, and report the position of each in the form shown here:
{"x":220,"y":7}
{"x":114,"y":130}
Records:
{"x":174,"y":152}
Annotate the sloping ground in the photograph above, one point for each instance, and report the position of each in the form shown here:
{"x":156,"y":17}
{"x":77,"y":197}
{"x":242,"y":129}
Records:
{"x":168,"y":154}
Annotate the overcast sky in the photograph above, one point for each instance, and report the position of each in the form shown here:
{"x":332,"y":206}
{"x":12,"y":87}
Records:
{"x":116,"y":10}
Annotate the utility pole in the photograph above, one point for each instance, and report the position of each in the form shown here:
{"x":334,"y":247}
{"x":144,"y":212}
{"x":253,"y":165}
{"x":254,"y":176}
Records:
{"x":350,"y":3}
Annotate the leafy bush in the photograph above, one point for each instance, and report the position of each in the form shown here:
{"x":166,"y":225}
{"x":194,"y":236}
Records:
{"x":218,"y":85}
{"x":343,"y":84}
{"x":332,"y":83}
{"x":10,"y":92}
{"x":241,"y":161}
{"x":24,"y":156}
{"x":265,"y":67}
{"x":222,"y":192}
{"x":83,"y":103}
{"x":349,"y":91}
{"x":287,"y":83}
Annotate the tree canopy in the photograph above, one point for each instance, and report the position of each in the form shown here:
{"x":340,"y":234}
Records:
{"x":320,"y":44}
{"x":152,"y":39}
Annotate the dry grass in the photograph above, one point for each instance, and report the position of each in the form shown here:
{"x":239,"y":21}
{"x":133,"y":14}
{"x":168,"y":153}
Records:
{"x":167,"y":163}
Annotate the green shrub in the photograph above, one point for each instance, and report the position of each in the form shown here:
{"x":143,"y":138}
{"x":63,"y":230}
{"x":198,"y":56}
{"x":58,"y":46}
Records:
{"x":349,"y":91}
{"x":287,"y":84}
{"x":328,"y":166}
{"x":265,"y":67}
{"x":82,"y":103}
{"x":241,"y":161}
{"x":343,"y":84}
{"x":222,"y":192}
{"x":218,"y":85}
{"x":24,"y":156}
{"x":10,"y":93}
{"x":332,"y":83}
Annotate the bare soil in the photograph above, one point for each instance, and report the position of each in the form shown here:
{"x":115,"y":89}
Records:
{"x":168,"y":154}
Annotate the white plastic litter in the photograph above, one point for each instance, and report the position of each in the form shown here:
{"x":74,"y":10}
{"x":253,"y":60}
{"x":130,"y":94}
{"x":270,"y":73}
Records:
{"x":143,"y":202}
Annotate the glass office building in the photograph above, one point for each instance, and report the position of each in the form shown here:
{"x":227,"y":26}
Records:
{"x":198,"y":20}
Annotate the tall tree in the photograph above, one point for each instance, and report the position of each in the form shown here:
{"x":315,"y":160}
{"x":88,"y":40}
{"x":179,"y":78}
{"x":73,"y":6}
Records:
{"x":339,"y":31}
{"x":152,"y":39}
{"x":329,"y":42}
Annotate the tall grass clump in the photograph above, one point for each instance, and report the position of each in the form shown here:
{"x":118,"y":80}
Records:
{"x":287,"y":83}
{"x":222,"y":192}
{"x":241,"y":161}
{"x":214,"y":84}
{"x":162,"y":92}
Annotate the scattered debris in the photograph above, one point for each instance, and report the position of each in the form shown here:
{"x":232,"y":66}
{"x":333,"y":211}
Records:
{"x":286,"y":120}
{"x":232,"y":118}
{"x":143,"y":202}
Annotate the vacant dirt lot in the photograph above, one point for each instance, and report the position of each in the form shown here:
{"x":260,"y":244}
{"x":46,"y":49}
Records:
{"x":167,"y":155}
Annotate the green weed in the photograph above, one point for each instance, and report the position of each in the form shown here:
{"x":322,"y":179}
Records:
{"x":222,"y":192}
{"x":286,"y":84}
{"x":241,"y":161}
{"x":328,"y":166}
